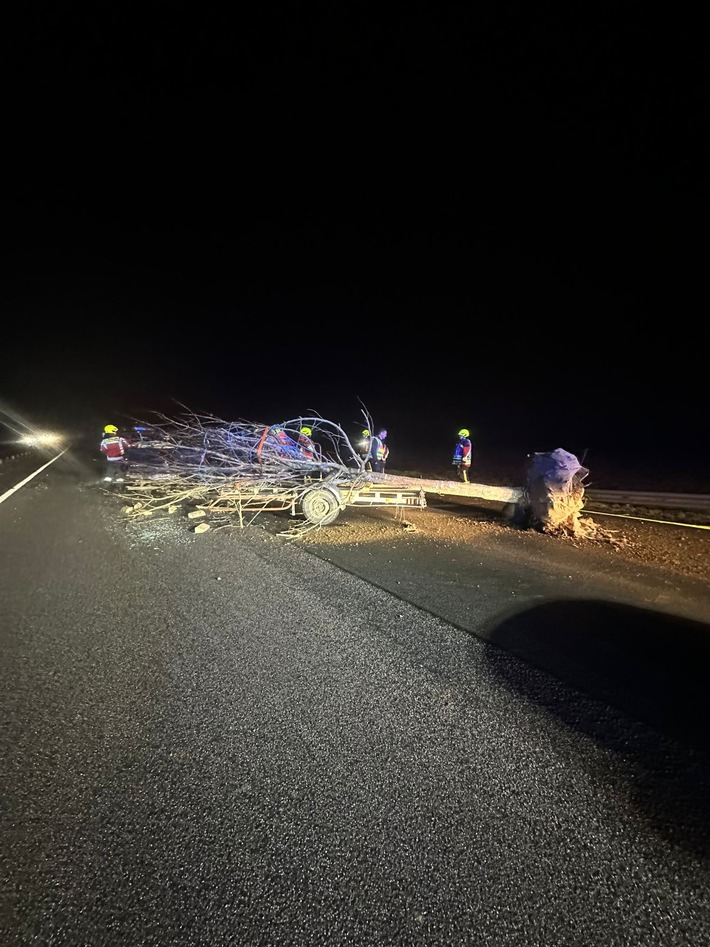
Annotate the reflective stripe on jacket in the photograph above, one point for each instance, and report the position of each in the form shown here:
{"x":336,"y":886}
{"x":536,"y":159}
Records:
{"x":114,"y":448}
{"x":378,"y":449}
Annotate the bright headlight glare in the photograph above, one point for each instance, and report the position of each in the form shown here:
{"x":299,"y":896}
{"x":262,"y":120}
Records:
{"x":42,"y":439}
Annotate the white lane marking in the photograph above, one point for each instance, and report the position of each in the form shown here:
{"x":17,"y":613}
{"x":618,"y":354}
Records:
{"x":27,"y":479}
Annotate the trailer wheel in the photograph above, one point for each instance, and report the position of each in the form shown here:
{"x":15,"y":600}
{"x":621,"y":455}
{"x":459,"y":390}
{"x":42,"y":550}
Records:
{"x":320,"y":506}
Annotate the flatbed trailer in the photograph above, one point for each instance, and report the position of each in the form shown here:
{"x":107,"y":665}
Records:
{"x":323,"y":501}
{"x":320,"y":503}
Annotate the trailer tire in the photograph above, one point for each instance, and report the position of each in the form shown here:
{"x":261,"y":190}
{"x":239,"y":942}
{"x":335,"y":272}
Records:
{"x":320,"y":506}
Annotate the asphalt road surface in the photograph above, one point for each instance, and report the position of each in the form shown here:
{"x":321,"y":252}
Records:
{"x":233,"y":739}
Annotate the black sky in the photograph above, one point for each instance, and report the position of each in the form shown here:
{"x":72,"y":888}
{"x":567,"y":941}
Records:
{"x":479,"y":214}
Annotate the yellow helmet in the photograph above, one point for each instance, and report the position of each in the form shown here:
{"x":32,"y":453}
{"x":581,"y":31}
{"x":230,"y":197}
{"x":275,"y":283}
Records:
{"x":307,"y":431}
{"x":365,"y":433}
{"x":464,"y":432}
{"x":110,"y":429}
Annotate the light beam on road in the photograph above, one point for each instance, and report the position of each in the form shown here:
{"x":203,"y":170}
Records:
{"x":27,"y":479}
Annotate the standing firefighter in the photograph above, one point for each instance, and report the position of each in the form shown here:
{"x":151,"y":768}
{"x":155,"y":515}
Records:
{"x":462,"y":454}
{"x":276,"y":444}
{"x":379,"y":451}
{"x":363,"y":449}
{"x":114,"y":449}
{"x":308,"y":448}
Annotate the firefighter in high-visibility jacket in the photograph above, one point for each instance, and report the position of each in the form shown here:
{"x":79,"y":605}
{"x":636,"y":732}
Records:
{"x":379,"y":451}
{"x":462,"y":454}
{"x":114,"y":449}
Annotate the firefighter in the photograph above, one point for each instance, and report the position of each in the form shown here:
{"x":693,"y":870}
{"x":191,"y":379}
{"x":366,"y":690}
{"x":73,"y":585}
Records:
{"x":308,"y":448}
{"x":283,"y":445}
{"x":114,"y":449}
{"x":462,"y":454}
{"x":379,"y":451}
{"x":363,"y":449}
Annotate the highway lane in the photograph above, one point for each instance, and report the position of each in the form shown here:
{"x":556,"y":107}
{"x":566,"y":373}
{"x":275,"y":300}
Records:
{"x":227,"y":739}
{"x":627,"y":632}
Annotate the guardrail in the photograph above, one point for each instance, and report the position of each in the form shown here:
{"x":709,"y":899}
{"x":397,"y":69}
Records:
{"x":648,"y":499}
{"x":669,"y":501}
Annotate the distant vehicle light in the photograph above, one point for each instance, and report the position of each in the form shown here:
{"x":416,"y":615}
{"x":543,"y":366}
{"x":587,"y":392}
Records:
{"x":41,"y":439}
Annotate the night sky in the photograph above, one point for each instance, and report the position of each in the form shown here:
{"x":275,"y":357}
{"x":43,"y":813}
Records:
{"x":486,"y":215}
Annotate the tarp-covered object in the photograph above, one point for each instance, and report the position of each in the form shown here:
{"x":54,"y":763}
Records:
{"x":554,"y":492}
